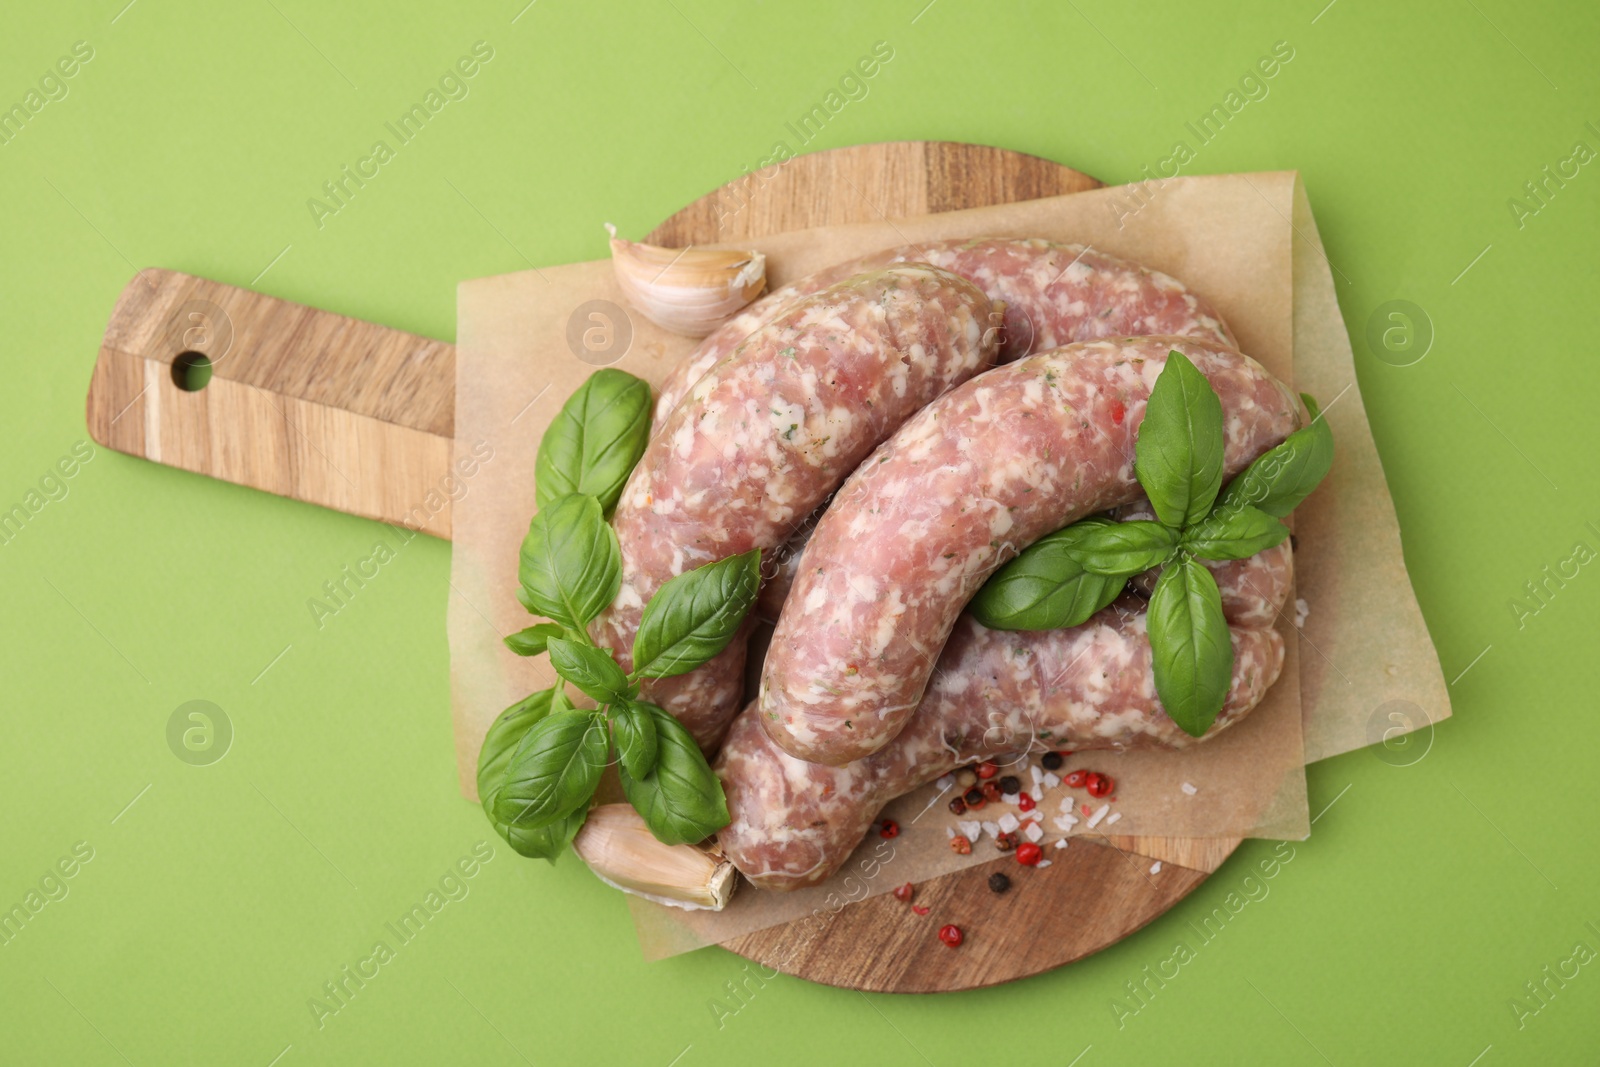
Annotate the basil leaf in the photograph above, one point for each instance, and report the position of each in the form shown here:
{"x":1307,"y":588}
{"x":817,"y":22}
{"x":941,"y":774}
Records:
{"x":1123,"y":549}
{"x":1191,"y":650}
{"x":595,"y":440}
{"x":531,"y":641}
{"x":571,"y":567}
{"x":680,"y":799}
{"x":634,"y":729}
{"x":1234,"y":533}
{"x":1178,"y":454}
{"x":1281,"y":477}
{"x":554,"y":771}
{"x":695,"y":615}
{"x":1045,"y":588}
{"x":494,"y":759}
{"x":591,"y":669}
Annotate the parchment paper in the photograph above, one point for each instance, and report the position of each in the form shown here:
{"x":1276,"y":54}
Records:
{"x":526,"y":340}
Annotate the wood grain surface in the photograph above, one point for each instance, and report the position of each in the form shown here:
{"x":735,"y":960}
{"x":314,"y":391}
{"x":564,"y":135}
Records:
{"x":359,"y":417}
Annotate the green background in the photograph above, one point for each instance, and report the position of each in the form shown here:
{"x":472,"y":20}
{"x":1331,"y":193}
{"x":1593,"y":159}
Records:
{"x":225,"y":895}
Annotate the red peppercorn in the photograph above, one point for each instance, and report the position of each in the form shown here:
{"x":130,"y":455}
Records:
{"x":950,"y":935}
{"x":960,"y":845}
{"x":987,"y":769}
{"x":1098,"y":784}
{"x":904,"y":892}
{"x":1028,"y":854}
{"x":958,"y":806}
{"x":973,"y":797}
{"x":920,"y":909}
{"x":889,"y":828}
{"x":1075,"y":779}
{"x":991,"y":791}
{"x":1025,"y":801}
{"x":1005,"y":842}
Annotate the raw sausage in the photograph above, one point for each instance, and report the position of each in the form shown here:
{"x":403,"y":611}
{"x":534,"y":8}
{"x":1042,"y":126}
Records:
{"x":762,"y":440}
{"x":1087,"y":687}
{"x":974,"y":478}
{"x":1054,"y":294}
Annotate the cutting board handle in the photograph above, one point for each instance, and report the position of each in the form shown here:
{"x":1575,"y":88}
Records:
{"x":271,"y":394}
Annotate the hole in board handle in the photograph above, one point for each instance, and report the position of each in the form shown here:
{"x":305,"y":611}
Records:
{"x":191,"y":371}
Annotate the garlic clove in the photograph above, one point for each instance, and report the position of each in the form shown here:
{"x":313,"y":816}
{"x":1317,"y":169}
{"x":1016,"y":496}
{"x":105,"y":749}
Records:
{"x":690,"y":290}
{"x":622,"y":852}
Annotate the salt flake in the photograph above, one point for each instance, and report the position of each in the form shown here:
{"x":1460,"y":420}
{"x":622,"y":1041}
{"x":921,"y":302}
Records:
{"x":1155,"y":868}
{"x":1094,"y":820}
{"x":1008,"y":822}
{"x":1188,"y":789}
{"x":1032,"y":832}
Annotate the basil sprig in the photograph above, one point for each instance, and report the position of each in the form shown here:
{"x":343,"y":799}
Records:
{"x":542,"y":760}
{"x":1064,"y":578}
{"x":595,"y":440}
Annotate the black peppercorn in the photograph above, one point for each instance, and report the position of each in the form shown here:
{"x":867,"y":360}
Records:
{"x":1051,"y":761}
{"x":974,"y":797}
{"x":998,"y":882}
{"x":1010,"y":785}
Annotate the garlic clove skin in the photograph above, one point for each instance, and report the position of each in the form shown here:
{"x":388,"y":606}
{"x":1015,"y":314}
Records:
{"x":690,"y":291}
{"x":622,"y":852}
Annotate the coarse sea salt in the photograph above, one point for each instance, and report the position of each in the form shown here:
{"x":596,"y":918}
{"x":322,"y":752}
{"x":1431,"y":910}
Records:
{"x":1051,"y":780}
{"x":1094,"y":820}
{"x":1033,"y":814}
{"x":1155,"y":868}
{"x":1302,"y":612}
{"x":1188,"y":789}
{"x":1064,"y":822}
{"x":1062,"y":843}
{"x":949,"y":831}
{"x":992,"y":829}
{"x":945,"y":782}
{"x":1038,"y":776}
{"x":1032,"y":832}
{"x":1114,"y":817}
{"x":1008,"y":822}
{"x":1066,"y":803}
{"x":1042,"y":864}
{"x":970,"y":830}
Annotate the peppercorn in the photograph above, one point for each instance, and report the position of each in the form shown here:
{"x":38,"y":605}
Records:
{"x":1051,"y":761}
{"x":958,"y":806}
{"x":1010,"y":785}
{"x":950,"y":935}
{"x":966,"y":778}
{"x":1005,"y":842}
{"x":1025,"y":802}
{"x":974,"y":798}
{"x":987,"y":769}
{"x":998,"y":882}
{"x":991,"y":792}
{"x":920,"y":909}
{"x":904,"y":892}
{"x":1099,"y":785}
{"x":1029,"y":854}
{"x":889,"y":828}
{"x":1075,"y":779}
{"x":960,"y":845}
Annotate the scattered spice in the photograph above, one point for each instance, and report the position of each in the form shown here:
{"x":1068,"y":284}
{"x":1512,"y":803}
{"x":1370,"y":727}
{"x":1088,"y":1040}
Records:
{"x":960,"y":845}
{"x":958,"y":806}
{"x":1005,"y":841}
{"x":905,"y":892}
{"x":1025,"y":802}
{"x":1029,"y":854}
{"x":966,"y":777}
{"x":987,"y":769}
{"x":991,"y":792}
{"x":1098,"y":785}
{"x":920,"y":909}
{"x":974,"y":798}
{"x":950,"y":935}
{"x":998,"y":882}
{"x":1010,"y":785}
{"x":889,"y":828}
{"x":1076,"y":779}
{"x":1051,"y":761}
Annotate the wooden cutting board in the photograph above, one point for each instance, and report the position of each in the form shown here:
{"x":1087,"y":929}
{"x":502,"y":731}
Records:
{"x":359,"y":417}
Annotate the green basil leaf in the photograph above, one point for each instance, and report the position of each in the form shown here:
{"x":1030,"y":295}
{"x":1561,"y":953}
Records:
{"x":1123,"y":549}
{"x":494,"y":759}
{"x":531,"y":641}
{"x":591,"y":669}
{"x":634,"y":729}
{"x":680,"y":799}
{"x":595,"y":440}
{"x":1192,"y":652}
{"x":1045,"y":588}
{"x":1178,"y":454}
{"x":1281,"y":477}
{"x":1234,"y":533}
{"x":554,"y":771}
{"x":571,"y":567}
{"x":695,"y":615}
